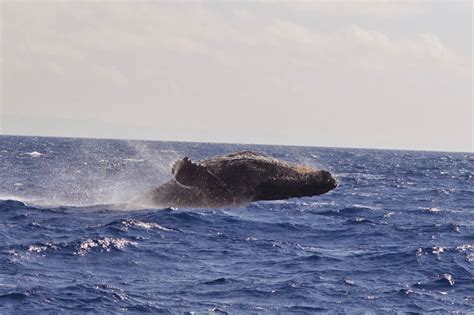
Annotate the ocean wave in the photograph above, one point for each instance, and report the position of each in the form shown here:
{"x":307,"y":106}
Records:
{"x":9,"y":203}
{"x":106,"y":244}
{"x":42,"y":248}
{"x":81,"y":248}
{"x":13,"y":296}
{"x":444,"y":281}
{"x":219,"y":281}
{"x":396,"y":235}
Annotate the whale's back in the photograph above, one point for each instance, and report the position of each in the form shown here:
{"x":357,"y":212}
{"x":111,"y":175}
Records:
{"x":245,"y":168}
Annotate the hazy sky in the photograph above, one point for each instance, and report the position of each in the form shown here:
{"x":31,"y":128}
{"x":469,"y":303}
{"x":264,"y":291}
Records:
{"x":352,"y":74}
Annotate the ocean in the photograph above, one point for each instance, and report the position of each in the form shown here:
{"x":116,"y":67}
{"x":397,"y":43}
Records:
{"x":396,"y":235}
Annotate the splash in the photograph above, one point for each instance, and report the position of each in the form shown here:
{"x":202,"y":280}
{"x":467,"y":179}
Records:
{"x":92,"y":172}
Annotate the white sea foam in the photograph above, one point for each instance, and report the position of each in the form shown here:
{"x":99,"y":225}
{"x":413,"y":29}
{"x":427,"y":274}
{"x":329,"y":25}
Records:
{"x":449,"y":277}
{"x":359,"y":206}
{"x":37,"y":249}
{"x":348,"y":281}
{"x":431,"y":209}
{"x":105,"y":244}
{"x":318,"y":204}
{"x":361,"y":176}
{"x":465,"y":247}
{"x":420,"y":252}
{"x":144,"y":225}
{"x":331,"y":252}
{"x":134,"y":160}
{"x":438,"y":250}
{"x":41,"y":249}
{"x":35,"y":154}
{"x":470,"y":258}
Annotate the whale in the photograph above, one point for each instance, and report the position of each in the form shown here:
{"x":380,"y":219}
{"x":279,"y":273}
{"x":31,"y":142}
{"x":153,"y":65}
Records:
{"x":235,"y":179}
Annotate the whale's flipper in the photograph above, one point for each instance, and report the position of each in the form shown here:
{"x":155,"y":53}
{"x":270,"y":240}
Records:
{"x":188,"y":173}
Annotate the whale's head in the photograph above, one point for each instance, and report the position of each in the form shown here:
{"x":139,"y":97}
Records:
{"x":299,"y":182}
{"x":321,"y":182}
{"x":313,"y":182}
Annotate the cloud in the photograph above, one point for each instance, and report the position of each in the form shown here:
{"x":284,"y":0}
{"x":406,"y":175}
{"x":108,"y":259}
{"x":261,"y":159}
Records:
{"x":291,"y":33}
{"x":365,"y":9}
{"x":112,"y":74}
{"x":301,"y":65}
{"x":195,"y":29}
{"x":419,"y":50}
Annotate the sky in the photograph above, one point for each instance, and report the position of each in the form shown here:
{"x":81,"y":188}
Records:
{"x":374,"y":74}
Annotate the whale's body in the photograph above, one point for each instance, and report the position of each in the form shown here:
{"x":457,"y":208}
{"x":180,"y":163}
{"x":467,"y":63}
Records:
{"x":235,"y":179}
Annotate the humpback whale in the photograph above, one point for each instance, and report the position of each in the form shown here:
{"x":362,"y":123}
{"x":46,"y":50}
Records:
{"x":234,"y":180}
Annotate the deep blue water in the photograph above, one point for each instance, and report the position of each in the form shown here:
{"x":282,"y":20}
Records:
{"x":396,"y":235}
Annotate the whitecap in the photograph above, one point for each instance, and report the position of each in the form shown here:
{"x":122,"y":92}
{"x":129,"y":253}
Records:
{"x":348,"y":281}
{"x":134,"y":160}
{"x":119,"y":243}
{"x":359,"y":206}
{"x":420,"y":252}
{"x":448,"y":277}
{"x":320,"y":203}
{"x":465,"y":247}
{"x":35,"y":154}
{"x":431,"y":209}
{"x":438,"y":250}
{"x":470,"y":258}
{"x":144,"y":225}
{"x":41,"y":248}
{"x":85,"y":246}
{"x":331,"y":252}
{"x":37,"y":249}
{"x":105,"y":244}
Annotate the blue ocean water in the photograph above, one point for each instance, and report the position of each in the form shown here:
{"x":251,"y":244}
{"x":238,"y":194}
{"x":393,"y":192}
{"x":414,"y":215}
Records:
{"x":397,"y":235}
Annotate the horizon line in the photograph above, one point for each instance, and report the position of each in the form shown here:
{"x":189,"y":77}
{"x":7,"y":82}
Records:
{"x":240,"y":143}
